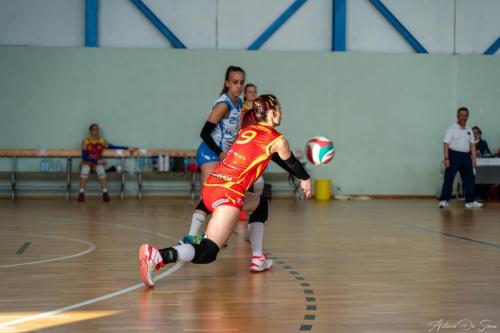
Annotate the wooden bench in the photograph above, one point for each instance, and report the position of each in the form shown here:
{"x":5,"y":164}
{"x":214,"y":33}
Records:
{"x":142,"y":153}
{"x":70,"y":154}
{"x":141,"y":174}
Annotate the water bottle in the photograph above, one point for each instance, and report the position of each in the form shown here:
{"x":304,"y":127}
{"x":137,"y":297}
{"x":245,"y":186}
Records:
{"x":142,"y":163}
{"x":154,"y":163}
{"x":59,"y":166}
{"x":119,"y":165}
{"x":45,"y":166}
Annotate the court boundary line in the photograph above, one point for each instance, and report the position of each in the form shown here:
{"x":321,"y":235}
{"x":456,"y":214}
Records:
{"x":91,"y":248}
{"x":450,"y":235}
{"x":384,"y":220}
{"x":178,"y":265}
{"x":8,"y":324}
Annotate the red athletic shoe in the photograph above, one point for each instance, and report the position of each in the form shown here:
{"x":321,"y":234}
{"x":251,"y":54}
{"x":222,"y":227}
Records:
{"x":149,"y":261}
{"x":105,"y":197}
{"x":81,"y":197}
{"x":260,"y":264}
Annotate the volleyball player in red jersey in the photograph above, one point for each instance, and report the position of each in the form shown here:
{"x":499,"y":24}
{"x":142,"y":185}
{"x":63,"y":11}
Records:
{"x":249,"y":96}
{"x":225,"y":191}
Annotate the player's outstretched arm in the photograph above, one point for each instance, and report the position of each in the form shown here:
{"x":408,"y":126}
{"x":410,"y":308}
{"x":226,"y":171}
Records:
{"x":282,"y":149}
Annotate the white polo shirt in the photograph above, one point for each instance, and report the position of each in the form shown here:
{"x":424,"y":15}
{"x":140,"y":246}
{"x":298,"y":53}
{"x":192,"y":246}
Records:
{"x":458,"y":138}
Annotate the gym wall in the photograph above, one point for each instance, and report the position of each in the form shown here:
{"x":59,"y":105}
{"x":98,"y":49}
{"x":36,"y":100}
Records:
{"x":386,"y":113}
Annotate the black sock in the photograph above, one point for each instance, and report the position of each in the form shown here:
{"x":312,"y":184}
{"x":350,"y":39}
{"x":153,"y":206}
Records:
{"x":169,"y":255}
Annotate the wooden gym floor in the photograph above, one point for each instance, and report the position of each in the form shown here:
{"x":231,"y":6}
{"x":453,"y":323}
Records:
{"x":343,"y":266}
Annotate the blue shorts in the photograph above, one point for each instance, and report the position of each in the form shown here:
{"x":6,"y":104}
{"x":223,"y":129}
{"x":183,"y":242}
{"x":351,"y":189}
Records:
{"x":205,"y":155}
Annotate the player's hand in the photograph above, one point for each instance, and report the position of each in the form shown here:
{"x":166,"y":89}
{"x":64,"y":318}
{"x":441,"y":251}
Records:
{"x":474,"y":163}
{"x":101,"y":161}
{"x":222,"y":155}
{"x":306,"y":187}
{"x":446,"y":164}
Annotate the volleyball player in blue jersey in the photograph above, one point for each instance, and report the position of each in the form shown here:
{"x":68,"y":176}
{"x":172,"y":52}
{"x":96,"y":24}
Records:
{"x":218,"y":135}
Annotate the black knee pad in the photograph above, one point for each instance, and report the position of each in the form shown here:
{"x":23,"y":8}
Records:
{"x":201,"y":206}
{"x":205,"y":252}
{"x":260,"y":213}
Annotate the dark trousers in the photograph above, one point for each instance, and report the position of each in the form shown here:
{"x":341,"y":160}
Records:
{"x":462,"y":163}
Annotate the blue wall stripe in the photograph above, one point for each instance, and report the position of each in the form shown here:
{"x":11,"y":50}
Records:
{"x":159,"y":24}
{"x":493,"y":48}
{"x":338,"y":25}
{"x":398,"y":26}
{"x":91,"y":23}
{"x":276,"y":25}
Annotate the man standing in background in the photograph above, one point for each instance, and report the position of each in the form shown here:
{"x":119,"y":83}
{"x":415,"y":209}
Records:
{"x":459,"y":152}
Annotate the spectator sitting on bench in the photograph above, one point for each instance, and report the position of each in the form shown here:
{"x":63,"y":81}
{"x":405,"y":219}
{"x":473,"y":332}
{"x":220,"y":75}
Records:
{"x":92,"y":161}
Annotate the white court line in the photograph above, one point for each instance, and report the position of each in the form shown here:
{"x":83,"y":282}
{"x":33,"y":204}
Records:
{"x":174,"y":268}
{"x":125,"y":226}
{"x":91,"y":248}
{"x":6,"y":324}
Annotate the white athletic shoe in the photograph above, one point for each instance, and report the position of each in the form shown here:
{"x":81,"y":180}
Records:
{"x":149,"y":261}
{"x":260,"y":264}
{"x":443,"y":204}
{"x":473,"y":204}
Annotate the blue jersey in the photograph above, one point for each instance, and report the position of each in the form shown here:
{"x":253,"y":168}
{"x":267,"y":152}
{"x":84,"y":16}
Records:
{"x":226,"y":131}
{"x":224,"y":134}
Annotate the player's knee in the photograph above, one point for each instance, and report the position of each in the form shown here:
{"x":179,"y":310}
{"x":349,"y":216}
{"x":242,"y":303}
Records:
{"x":201,"y":206}
{"x":84,"y":171}
{"x":205,"y":252}
{"x":101,"y":173}
{"x":260,"y":214}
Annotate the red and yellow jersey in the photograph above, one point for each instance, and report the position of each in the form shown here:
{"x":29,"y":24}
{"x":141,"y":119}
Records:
{"x":94,"y":147}
{"x":246,"y":160}
{"x":244,"y":109}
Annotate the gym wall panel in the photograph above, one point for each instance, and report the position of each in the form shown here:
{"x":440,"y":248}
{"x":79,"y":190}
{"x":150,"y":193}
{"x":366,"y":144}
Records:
{"x":479,"y":89}
{"x":42,"y":23}
{"x":192,"y":21}
{"x":386,"y":113}
{"x":308,"y":29}
{"x":444,"y":26}
{"x":478,"y":25}
{"x":429,"y":21}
